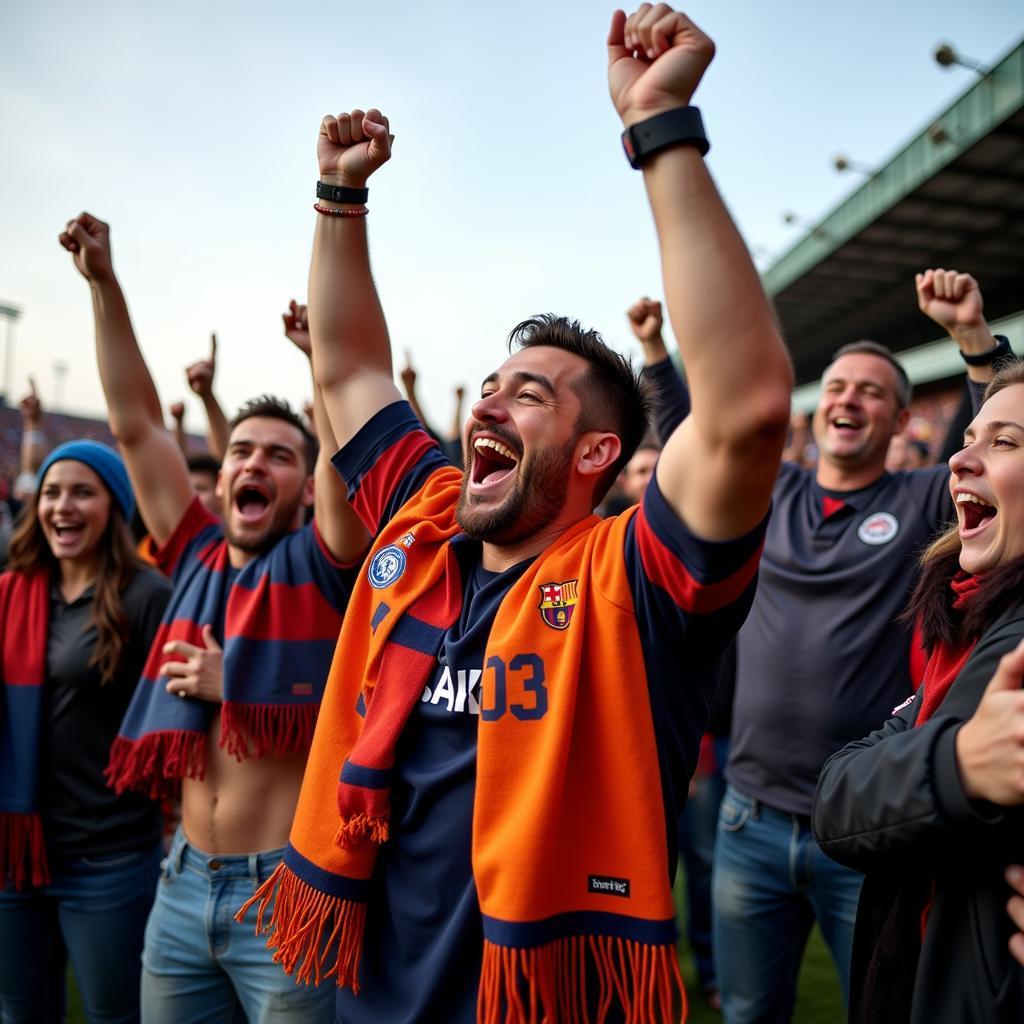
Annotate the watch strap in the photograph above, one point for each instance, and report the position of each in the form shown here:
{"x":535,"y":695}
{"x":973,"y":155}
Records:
{"x":680,"y":127}
{"x":341,"y":194}
{"x":1001,"y":350}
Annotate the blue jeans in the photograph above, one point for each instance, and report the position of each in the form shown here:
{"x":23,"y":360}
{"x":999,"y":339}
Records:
{"x":697,"y":827}
{"x":94,"y":910}
{"x":770,"y":882}
{"x":199,"y":965}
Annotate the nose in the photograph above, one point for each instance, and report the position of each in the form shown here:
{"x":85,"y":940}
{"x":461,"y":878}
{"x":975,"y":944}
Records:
{"x":490,"y":408}
{"x":63,"y":502}
{"x":255,"y":461}
{"x":965,"y":461}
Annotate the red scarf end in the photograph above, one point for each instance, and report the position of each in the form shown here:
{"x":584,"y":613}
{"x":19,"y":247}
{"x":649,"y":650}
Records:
{"x":528,"y":986}
{"x":360,"y":827}
{"x":314,"y":935}
{"x":259,"y":730}
{"x":156,"y":763}
{"x":22,"y":851}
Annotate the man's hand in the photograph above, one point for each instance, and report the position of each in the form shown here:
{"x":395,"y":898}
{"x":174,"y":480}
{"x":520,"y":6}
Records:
{"x":990,"y":745}
{"x":177,"y":411}
{"x":953,"y":300}
{"x":408,"y":374}
{"x":352,"y":146}
{"x":656,"y":58}
{"x":199,"y":673}
{"x":88,"y":241}
{"x":296,"y":327}
{"x":30,"y":407}
{"x":1015,"y":908}
{"x":200,"y":374}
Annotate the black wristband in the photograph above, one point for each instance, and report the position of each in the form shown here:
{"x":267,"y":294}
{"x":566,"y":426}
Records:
{"x":1001,"y":350}
{"x":680,"y":127}
{"x":341,"y":194}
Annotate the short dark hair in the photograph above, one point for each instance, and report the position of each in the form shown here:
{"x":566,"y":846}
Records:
{"x":202,"y":462}
{"x":273,"y":408}
{"x":904,"y":389}
{"x":613,"y":395}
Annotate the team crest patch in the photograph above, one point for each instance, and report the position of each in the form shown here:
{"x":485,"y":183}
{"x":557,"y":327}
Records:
{"x":557,"y":603}
{"x":878,"y":528}
{"x":387,"y":565}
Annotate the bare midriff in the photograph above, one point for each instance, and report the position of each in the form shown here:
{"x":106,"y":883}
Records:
{"x":241,"y":806}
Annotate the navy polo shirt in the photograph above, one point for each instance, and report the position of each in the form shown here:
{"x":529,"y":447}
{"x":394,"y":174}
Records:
{"x":822,"y":659}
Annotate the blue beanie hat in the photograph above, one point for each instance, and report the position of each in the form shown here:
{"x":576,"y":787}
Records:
{"x":105,"y":462}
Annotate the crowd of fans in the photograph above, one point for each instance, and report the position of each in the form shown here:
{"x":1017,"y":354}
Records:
{"x":305,"y":721}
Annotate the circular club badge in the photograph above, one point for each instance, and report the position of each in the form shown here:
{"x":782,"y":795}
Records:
{"x":878,"y":528}
{"x":387,"y":565}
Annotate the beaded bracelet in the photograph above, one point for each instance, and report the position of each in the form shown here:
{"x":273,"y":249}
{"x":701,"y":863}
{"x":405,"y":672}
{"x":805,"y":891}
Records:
{"x":362,"y":212}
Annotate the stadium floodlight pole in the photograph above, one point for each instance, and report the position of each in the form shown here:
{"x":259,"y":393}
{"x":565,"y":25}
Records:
{"x":843,"y":164}
{"x":946,"y":56}
{"x":11,"y":314}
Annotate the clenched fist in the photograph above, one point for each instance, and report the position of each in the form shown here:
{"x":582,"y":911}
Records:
{"x":87,"y":238}
{"x":352,"y":146}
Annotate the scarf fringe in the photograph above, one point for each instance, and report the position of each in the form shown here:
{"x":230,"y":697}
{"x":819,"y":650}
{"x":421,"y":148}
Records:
{"x":360,"y":827}
{"x":156,"y":763}
{"x":306,"y":926}
{"x":22,"y":850}
{"x":273,"y":729}
{"x":550,"y":982}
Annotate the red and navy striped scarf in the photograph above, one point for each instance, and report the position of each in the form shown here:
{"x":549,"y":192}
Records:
{"x":24,"y":620}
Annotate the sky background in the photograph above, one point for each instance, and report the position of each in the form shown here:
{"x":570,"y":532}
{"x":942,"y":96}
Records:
{"x":191,"y":128}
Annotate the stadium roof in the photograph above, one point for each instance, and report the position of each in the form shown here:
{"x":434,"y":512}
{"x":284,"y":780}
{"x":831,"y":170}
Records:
{"x":952,"y":197}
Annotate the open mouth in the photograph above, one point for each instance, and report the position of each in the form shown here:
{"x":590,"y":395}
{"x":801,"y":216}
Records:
{"x":493,"y":461}
{"x":251,"y":502}
{"x":846,"y":424}
{"x":68,"y":533}
{"x":974,"y":513}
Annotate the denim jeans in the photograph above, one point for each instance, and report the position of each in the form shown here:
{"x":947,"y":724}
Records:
{"x":94,"y":910}
{"x":199,"y":965}
{"x":697,"y":828}
{"x":770,"y":882}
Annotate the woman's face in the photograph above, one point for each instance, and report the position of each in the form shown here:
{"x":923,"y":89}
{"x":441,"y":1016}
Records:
{"x":73,"y":510}
{"x":987,"y":483}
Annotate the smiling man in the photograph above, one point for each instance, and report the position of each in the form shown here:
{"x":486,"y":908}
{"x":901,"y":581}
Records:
{"x":228,"y":699}
{"x":487,"y":822}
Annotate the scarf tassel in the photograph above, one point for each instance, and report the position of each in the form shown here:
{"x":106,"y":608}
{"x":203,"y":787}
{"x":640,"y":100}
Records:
{"x":156,"y":763}
{"x":22,"y":850}
{"x":314,"y":935}
{"x":359,"y":827}
{"x":551,"y":982}
{"x":273,"y":729}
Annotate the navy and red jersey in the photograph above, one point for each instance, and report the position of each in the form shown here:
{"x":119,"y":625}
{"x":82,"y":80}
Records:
{"x":823,"y":658}
{"x":423,"y":941}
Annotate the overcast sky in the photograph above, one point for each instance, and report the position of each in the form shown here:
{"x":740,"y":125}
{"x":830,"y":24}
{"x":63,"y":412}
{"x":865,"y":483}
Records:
{"x":191,"y":127}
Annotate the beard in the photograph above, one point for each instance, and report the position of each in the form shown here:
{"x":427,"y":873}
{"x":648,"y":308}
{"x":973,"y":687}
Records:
{"x":537,"y":498}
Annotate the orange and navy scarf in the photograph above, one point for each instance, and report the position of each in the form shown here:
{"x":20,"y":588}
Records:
{"x":563,"y":798}
{"x":24,"y":621}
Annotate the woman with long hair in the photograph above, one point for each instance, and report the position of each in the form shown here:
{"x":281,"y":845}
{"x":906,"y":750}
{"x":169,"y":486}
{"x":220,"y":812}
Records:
{"x":78,"y":864}
{"x":929,"y":807}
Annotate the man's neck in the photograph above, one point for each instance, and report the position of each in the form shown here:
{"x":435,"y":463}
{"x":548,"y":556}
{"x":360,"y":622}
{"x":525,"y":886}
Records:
{"x":499,"y":557}
{"x":833,"y":477}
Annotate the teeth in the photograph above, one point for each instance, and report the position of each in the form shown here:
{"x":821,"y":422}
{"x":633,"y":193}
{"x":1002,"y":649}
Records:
{"x":487,"y":442}
{"x":844,"y":423}
{"x":963,"y":497}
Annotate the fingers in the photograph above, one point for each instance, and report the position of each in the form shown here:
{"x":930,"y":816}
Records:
{"x":213,"y":348}
{"x":616,"y":38}
{"x":181,"y":648}
{"x":1015,"y":908}
{"x":1010,"y":671}
{"x":948,"y":285}
{"x":32,"y":387}
{"x":209,"y":639}
{"x":650,"y":29}
{"x":176,"y":669}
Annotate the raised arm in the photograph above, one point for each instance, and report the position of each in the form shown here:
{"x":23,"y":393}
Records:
{"x":200,"y":376}
{"x":34,"y":445}
{"x":341,"y":529}
{"x":351,"y":348}
{"x":155,"y":463}
{"x":718,"y":467}
{"x":673,"y":402}
{"x":177,"y":411}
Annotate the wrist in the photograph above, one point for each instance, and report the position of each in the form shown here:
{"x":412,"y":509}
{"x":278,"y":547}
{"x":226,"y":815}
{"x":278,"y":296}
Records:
{"x":345,"y":180}
{"x":964,"y":762}
{"x":973,"y":340}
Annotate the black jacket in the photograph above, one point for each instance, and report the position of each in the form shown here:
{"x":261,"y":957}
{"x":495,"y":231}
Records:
{"x":892,"y":806}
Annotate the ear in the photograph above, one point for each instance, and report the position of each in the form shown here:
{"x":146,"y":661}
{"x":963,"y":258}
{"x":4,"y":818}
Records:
{"x":218,"y":487}
{"x":307,"y":492}
{"x":596,"y":452}
{"x":902,"y":419}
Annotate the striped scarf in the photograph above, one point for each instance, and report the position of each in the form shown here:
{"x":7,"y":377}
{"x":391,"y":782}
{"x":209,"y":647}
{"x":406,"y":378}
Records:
{"x":569,"y":850}
{"x":24,"y":620}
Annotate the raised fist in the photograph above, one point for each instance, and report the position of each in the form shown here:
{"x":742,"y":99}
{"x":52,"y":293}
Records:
{"x":352,"y":146}
{"x":200,"y":374}
{"x":953,"y":300}
{"x":296,"y":327}
{"x":408,"y":373}
{"x":177,"y":411}
{"x":656,"y":58}
{"x":645,"y":318}
{"x":30,"y":406}
{"x":88,"y":240}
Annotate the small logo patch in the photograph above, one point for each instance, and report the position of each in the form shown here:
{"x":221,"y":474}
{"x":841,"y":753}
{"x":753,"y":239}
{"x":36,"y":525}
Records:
{"x":408,"y":540}
{"x":302,"y":689}
{"x":878,"y":528}
{"x":603,"y":885}
{"x":557,"y":603}
{"x":387,"y":565}
{"x":899,"y":707}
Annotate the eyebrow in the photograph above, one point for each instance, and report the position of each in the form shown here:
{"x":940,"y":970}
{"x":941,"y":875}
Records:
{"x":997,"y":425}
{"x":522,"y":377}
